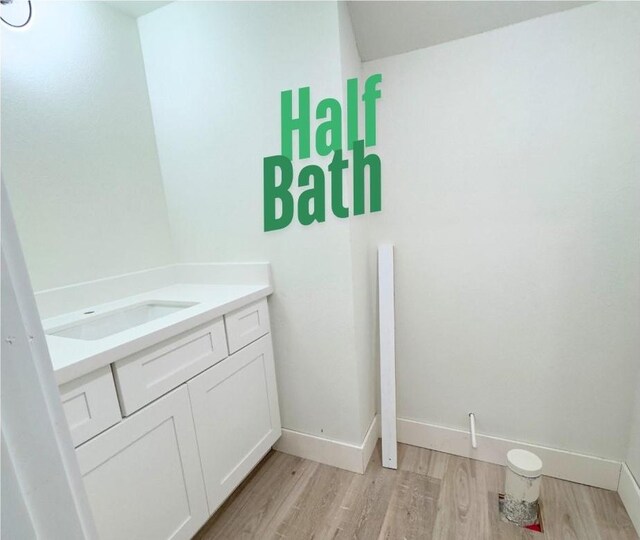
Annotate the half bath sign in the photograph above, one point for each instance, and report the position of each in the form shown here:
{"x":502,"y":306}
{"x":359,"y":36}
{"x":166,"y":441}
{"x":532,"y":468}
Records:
{"x":313,"y":195}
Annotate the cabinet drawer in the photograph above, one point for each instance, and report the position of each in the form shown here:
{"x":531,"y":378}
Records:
{"x":247,"y":324}
{"x":147,"y":375}
{"x":90,"y":404}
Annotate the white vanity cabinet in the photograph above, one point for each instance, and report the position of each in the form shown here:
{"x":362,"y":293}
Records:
{"x":199,"y":411}
{"x":235,"y":410}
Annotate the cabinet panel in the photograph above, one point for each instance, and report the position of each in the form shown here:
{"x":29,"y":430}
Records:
{"x":247,"y":324}
{"x":90,"y":404}
{"x":143,"y":476}
{"x":145,"y":376}
{"x":235,"y":410}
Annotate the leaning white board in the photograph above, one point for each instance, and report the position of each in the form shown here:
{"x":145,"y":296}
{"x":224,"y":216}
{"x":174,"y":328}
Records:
{"x":386,"y":310}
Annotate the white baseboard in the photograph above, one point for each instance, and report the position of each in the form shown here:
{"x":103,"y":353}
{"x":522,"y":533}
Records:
{"x":339,"y":454}
{"x":629,"y":492}
{"x":370,"y":441}
{"x":581,"y":468}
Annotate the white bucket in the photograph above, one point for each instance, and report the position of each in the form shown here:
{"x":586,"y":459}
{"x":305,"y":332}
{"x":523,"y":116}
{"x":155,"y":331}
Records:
{"x":522,"y":487}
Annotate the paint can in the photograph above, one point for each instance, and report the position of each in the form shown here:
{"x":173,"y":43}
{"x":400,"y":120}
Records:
{"x":522,"y":487}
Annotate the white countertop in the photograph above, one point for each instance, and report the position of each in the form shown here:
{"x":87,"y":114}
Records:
{"x":73,"y":358}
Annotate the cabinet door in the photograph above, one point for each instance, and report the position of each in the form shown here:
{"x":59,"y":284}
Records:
{"x":235,"y":410}
{"x":143,"y":476}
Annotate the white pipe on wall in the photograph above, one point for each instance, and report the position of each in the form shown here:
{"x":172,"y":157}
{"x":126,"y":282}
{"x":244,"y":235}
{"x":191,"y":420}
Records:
{"x":472,"y":429}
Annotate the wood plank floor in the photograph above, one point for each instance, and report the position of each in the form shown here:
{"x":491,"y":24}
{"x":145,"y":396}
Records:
{"x":431,"y":495}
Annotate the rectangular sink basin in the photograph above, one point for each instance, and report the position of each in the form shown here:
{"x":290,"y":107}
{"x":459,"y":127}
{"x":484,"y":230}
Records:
{"x":106,"y":324}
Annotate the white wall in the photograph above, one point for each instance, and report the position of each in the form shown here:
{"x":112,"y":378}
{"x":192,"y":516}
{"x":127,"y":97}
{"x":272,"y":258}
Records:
{"x":78,"y":149}
{"x":510,"y":165}
{"x":215,"y":72}
{"x":510,"y":190}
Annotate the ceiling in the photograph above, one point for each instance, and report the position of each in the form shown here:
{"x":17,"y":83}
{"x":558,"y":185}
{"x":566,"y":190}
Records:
{"x":385,"y":28}
{"x":394,"y":27}
{"x":134,"y":8}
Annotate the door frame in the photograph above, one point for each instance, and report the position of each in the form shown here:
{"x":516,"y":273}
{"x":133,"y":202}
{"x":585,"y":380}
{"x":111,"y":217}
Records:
{"x":42,"y":488}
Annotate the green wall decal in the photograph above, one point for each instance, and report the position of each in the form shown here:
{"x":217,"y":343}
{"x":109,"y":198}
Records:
{"x":280,"y":206}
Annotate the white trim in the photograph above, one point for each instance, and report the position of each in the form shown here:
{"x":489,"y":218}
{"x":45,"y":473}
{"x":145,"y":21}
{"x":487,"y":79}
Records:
{"x":351,"y":457}
{"x":370,"y":441}
{"x":629,"y":492}
{"x":386,"y":305}
{"x":43,"y":468}
{"x":582,"y":468}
